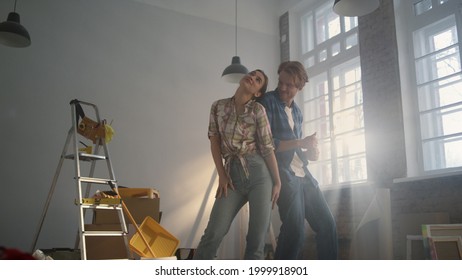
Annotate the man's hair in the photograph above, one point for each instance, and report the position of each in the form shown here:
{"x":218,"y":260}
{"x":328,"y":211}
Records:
{"x":296,"y":70}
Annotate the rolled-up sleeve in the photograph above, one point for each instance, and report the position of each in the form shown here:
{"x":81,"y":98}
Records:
{"x":213,"y":123}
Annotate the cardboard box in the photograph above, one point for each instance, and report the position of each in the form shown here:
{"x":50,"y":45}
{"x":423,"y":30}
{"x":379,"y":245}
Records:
{"x":138,"y":192}
{"x":138,"y":207}
{"x":107,"y":247}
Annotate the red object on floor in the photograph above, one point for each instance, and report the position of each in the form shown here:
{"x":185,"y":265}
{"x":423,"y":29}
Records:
{"x":14,"y":254}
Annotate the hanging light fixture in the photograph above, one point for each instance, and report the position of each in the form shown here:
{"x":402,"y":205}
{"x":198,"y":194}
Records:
{"x":234,"y":72}
{"x":355,"y":8}
{"x":12,"y":33}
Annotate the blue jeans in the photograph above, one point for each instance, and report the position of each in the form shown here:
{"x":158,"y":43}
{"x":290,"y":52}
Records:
{"x":257,"y":191}
{"x":301,"y":199}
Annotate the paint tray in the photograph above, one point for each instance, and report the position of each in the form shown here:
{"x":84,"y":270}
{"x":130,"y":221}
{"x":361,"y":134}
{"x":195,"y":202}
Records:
{"x":162,"y":242}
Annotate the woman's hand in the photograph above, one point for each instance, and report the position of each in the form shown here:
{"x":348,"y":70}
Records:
{"x":223,"y":184}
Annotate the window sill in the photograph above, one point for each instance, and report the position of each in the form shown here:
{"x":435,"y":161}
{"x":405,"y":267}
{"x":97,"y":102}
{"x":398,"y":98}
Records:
{"x":345,"y":186}
{"x":456,"y":172}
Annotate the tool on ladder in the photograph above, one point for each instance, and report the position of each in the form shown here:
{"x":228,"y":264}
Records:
{"x":94,"y":130}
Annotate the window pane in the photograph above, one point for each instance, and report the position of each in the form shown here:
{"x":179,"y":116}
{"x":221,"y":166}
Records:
{"x":347,"y":93}
{"x":352,"y":169}
{"x":307,"y":33}
{"x":349,"y":120}
{"x":309,"y":62}
{"x":351,"y":143}
{"x":443,"y":153}
{"x":436,"y":36}
{"x":350,"y":23}
{"x":443,"y":1}
{"x":441,"y":122}
{"x":316,"y":87}
{"x":422,"y":6}
{"x":327,"y":23}
{"x":347,"y":97}
{"x":325,"y":150}
{"x":321,"y":126}
{"x":322,"y":171}
{"x":441,"y":93}
{"x":346,"y":74}
{"x":335,"y":50}
{"x":438,"y":65}
{"x":316,"y":108}
{"x":351,"y":41}
{"x":322,"y":55}
{"x":453,"y":152}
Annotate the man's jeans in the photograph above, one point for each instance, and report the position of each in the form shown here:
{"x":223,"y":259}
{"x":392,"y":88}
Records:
{"x":302,"y":199}
{"x":257,"y":191}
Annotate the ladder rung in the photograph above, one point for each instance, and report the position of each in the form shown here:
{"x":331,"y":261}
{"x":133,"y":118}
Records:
{"x":96,"y":180}
{"x":104,"y":233}
{"x":100,"y":201}
{"x":101,"y":206}
{"x":86,"y":157}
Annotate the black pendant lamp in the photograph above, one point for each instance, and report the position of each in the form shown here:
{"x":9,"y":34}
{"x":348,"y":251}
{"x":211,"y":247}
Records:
{"x":355,"y":8}
{"x":12,"y":33}
{"x":234,"y":72}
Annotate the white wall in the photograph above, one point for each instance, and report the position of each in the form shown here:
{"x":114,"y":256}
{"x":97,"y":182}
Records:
{"x":153,"y":71}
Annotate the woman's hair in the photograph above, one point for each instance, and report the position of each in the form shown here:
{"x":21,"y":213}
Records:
{"x":296,"y":70}
{"x":265,"y":82}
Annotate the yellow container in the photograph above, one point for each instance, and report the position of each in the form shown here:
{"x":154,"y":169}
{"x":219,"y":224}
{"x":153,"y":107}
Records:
{"x":86,"y":150}
{"x":162,"y":242}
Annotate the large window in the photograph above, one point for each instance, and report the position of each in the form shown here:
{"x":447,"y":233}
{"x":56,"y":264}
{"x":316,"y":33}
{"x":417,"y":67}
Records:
{"x":438,"y":81}
{"x":332,"y":100}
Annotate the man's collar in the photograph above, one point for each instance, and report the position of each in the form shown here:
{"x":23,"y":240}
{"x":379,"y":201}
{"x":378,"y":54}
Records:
{"x":281,"y":102}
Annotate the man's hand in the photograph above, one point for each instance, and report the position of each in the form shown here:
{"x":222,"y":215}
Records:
{"x":275,"y":194}
{"x":310,"y":143}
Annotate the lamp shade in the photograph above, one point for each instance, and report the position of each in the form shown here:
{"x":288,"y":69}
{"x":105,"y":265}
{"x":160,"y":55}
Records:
{"x":12,"y":33}
{"x":234,"y":72}
{"x":355,"y":8}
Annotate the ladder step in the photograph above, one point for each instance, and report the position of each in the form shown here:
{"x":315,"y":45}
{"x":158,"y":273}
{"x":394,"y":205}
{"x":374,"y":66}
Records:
{"x":104,"y":233}
{"x":97,"y":180}
{"x":86,"y":157}
{"x":101,"y":206}
{"x":99,"y":201}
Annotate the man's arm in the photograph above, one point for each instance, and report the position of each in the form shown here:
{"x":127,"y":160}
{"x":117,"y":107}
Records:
{"x":307,"y":143}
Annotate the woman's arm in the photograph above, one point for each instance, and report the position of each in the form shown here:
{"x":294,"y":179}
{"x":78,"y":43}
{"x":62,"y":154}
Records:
{"x":223,"y":180}
{"x":273,"y":168}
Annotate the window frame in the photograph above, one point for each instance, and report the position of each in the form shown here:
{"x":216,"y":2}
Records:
{"x":407,"y":22}
{"x":348,"y":29}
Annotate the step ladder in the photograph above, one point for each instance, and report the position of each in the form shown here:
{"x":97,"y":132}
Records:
{"x":72,"y":152}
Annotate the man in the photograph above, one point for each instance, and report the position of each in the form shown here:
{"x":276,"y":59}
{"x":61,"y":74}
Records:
{"x":300,"y":197}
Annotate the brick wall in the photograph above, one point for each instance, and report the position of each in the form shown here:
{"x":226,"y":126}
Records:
{"x":411,"y":203}
{"x":437,"y":200}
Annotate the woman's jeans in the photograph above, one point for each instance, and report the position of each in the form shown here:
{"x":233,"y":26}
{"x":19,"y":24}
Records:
{"x":257,"y":191}
{"x":301,"y":199}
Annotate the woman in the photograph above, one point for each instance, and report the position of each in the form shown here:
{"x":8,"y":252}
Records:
{"x":240,"y":135}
